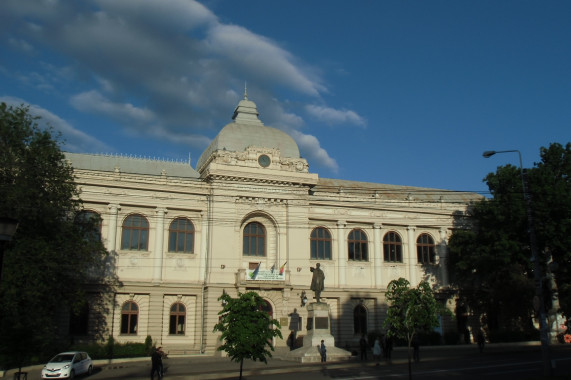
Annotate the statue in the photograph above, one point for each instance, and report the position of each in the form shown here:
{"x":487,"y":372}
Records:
{"x":317,"y":281}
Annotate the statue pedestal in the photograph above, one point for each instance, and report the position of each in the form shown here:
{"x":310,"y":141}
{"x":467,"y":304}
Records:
{"x":318,"y":329}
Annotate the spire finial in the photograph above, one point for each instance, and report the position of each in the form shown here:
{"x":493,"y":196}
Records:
{"x":245,"y":91}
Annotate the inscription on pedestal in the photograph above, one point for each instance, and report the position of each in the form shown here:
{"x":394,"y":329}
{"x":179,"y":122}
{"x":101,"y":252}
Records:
{"x":322,"y":323}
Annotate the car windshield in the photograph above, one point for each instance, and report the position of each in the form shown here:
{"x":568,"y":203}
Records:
{"x":62,"y":358}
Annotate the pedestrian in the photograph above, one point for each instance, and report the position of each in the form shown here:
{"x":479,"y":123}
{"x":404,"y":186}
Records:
{"x":156,"y":364}
{"x":416,"y":349}
{"x":481,"y":340}
{"x":323,"y":351}
{"x":163,"y":356}
{"x":377,"y":350}
{"x":363,"y":347}
{"x":389,"y":347}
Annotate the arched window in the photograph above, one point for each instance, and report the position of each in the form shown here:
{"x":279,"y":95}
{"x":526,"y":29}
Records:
{"x":357,"y":246}
{"x":177,"y":319}
{"x":254,"y":242}
{"x":392,"y":247}
{"x":320,"y":244}
{"x":181,"y":236}
{"x":129,"y":318}
{"x":90,"y":222}
{"x":360,"y":319}
{"x":425,"y":249}
{"x":135,"y":235}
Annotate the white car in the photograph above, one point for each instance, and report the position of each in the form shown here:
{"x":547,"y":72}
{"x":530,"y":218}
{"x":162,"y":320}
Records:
{"x":67,"y":365}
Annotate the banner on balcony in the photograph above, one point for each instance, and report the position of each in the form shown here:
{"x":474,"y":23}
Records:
{"x":264,"y":275}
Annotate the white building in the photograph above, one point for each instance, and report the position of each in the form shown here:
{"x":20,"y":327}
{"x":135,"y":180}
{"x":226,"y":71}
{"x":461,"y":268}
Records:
{"x":179,"y":237}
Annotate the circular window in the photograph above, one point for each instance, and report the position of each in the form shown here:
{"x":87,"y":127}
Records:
{"x":264,"y":160}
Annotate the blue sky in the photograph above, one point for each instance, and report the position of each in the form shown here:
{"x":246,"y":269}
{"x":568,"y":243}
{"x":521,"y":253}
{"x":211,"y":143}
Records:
{"x":397,"y":92}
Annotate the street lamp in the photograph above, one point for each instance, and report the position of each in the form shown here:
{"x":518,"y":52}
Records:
{"x":8,"y":227}
{"x":538,"y":299}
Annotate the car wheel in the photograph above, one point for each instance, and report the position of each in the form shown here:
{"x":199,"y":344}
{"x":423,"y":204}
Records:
{"x":72,"y":374}
{"x":89,"y":370}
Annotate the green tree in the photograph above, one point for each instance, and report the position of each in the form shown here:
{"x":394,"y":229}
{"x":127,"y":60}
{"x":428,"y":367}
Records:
{"x":411,"y":310}
{"x":490,"y":255}
{"x":54,"y":255}
{"x":247,"y":330}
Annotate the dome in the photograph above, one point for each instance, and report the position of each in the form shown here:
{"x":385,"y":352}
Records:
{"x":247,"y":130}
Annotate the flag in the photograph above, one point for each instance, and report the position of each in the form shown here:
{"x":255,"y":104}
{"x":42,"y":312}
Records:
{"x":282,"y":268}
{"x":255,"y":272}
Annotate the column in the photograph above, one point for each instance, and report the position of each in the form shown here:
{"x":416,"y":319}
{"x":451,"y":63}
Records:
{"x":378,"y":247}
{"x":203,"y":254}
{"x":112,"y":233}
{"x":159,"y":245}
{"x":341,"y":252}
{"x":412,"y":259}
{"x":443,"y":257}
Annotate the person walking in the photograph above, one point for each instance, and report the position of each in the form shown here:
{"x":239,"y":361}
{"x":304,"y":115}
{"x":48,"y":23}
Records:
{"x":481,"y":340}
{"x":377,"y":350}
{"x":323,"y":351}
{"x":156,"y":364}
{"x":416,"y":349}
{"x":363,"y":347}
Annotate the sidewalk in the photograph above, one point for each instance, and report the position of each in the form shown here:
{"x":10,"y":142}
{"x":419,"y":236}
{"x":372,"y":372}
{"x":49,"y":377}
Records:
{"x":209,"y":367}
{"x":214,"y":366}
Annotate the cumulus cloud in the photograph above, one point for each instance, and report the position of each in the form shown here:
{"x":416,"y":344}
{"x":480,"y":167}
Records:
{"x":313,"y":151}
{"x":95,"y":102}
{"x":75,"y":140}
{"x":333,"y":116}
{"x":166,"y":68}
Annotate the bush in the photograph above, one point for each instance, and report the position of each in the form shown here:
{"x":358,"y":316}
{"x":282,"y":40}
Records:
{"x":110,"y":349}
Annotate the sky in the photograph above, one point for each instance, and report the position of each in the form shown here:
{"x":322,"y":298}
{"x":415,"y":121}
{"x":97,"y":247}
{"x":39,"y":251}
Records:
{"x":396,"y":92}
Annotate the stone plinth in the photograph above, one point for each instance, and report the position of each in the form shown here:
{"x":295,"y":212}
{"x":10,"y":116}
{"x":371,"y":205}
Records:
{"x":318,"y":329}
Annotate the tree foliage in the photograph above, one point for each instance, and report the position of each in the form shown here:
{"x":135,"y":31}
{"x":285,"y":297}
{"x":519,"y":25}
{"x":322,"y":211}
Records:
{"x":53,"y":255}
{"x":491,"y":261}
{"x":247,"y":330}
{"x":411,"y":310}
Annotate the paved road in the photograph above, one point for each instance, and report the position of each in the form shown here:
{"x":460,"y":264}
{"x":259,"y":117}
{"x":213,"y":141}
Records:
{"x":462,"y":362}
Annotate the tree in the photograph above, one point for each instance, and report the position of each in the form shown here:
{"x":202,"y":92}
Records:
{"x":247,"y":330}
{"x":411,"y":310}
{"x":54,"y":254}
{"x":490,"y":257}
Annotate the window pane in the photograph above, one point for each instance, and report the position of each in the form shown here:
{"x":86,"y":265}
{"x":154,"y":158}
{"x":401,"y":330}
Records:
{"x":133,"y":324}
{"x":144,"y":240}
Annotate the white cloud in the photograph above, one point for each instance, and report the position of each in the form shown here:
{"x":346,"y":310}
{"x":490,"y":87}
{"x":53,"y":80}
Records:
{"x":166,"y":69}
{"x":75,"y":140}
{"x":261,"y":56}
{"x":94,"y":102}
{"x":332,"y":116}
{"x":312,"y":150}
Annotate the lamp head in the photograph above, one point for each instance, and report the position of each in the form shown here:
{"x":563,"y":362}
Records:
{"x":489,"y":153}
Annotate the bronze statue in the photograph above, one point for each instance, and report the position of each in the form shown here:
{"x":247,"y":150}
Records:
{"x":317,"y":281}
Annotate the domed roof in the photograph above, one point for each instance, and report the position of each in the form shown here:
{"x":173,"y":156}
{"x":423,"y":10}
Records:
{"x":247,"y":130}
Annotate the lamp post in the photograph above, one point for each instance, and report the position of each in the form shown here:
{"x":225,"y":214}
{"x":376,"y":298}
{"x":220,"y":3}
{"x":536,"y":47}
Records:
{"x":8,"y":227}
{"x":538,"y":299}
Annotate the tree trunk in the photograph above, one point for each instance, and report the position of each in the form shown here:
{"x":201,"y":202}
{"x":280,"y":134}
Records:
{"x":241,"y":365}
{"x":409,"y":359}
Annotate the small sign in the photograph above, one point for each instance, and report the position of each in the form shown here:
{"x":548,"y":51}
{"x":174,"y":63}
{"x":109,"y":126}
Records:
{"x":283,"y":321}
{"x":264,"y":275}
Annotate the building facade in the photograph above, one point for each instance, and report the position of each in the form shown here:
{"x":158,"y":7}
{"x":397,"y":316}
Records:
{"x":251,"y":216}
